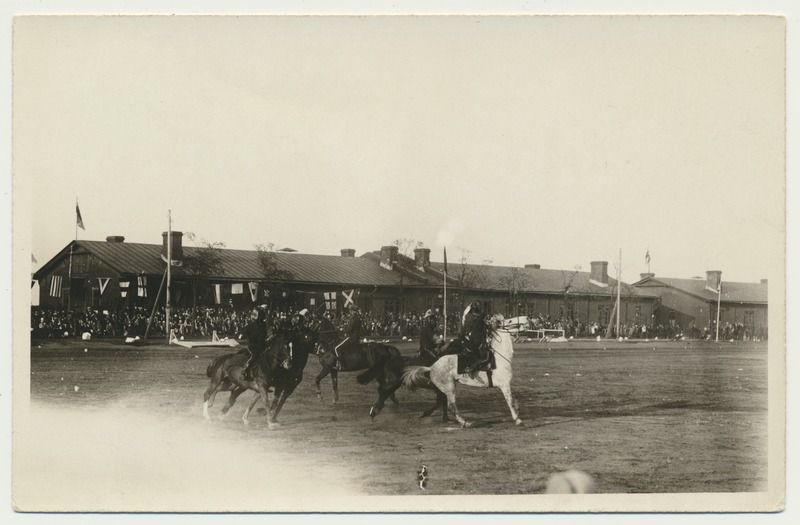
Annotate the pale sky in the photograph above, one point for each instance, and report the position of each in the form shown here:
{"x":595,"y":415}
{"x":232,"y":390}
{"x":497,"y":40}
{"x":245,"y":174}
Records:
{"x":549,"y":140}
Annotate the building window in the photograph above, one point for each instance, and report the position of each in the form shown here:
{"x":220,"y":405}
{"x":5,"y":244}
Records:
{"x":637,"y":313}
{"x":394,"y":306}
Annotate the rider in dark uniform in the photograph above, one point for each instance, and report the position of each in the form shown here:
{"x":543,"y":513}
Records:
{"x":427,"y":336}
{"x":473,"y":337}
{"x":256,"y":333}
{"x":352,"y":334}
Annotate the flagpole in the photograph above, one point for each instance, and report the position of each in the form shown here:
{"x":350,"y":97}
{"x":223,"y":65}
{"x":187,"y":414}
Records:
{"x":719,"y":300}
{"x":445,"y":294}
{"x":169,"y":267}
{"x":619,"y":287}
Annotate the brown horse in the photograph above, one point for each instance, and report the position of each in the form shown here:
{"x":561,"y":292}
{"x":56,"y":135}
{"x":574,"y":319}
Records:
{"x":226,"y":373}
{"x":365,"y":356}
{"x":393,"y":375}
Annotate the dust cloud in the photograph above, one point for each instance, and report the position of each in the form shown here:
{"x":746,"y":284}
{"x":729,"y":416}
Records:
{"x":116,"y":459}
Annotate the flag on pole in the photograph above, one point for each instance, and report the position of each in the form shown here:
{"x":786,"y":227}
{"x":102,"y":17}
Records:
{"x":445,"y":259}
{"x":647,"y":257}
{"x":78,"y":216}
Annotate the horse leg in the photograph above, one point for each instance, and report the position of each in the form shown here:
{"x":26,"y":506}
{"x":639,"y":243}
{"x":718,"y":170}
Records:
{"x":249,"y":408}
{"x":443,"y":401}
{"x":335,"y":382}
{"x":324,"y":372}
{"x":383,"y":395}
{"x":264,"y":391}
{"x":209,"y":395}
{"x":279,"y":405}
{"x":450,"y":392}
{"x":235,"y":393}
{"x":511,"y":402}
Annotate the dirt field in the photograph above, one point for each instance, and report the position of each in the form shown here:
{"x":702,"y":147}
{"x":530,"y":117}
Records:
{"x":639,"y":417}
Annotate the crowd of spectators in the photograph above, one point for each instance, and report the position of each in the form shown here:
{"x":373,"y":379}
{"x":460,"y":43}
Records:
{"x":202,"y":322}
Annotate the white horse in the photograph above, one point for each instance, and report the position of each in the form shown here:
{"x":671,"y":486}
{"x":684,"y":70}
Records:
{"x":444,"y":373}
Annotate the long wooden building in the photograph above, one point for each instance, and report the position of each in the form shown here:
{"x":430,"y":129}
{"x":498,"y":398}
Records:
{"x":115,"y":274}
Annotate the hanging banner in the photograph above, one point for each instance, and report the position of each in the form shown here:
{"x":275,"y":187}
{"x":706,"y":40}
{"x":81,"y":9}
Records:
{"x":330,"y":300}
{"x":253,"y":287}
{"x":103,"y":282}
{"x":142,"y":280}
{"x":55,"y":286}
{"x":217,"y":293}
{"x":237,"y":289}
{"x":123,"y":287}
{"x":350,"y":297}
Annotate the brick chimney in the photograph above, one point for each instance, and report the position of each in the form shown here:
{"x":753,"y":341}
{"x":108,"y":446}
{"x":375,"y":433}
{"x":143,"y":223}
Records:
{"x":177,"y":247}
{"x":599,"y":275}
{"x":115,"y":238}
{"x":422,"y":257}
{"x":647,"y":275}
{"x":533,"y":266}
{"x":348,"y":252}
{"x":388,"y":256}
{"x":765,"y":281}
{"x":713,"y":278}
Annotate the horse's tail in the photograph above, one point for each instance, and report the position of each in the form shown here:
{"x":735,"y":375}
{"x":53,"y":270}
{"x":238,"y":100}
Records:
{"x":416,"y":376}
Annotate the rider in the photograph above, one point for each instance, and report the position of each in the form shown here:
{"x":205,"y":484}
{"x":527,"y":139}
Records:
{"x":257,"y":334}
{"x":352,"y":334}
{"x":427,"y":341}
{"x":473,"y":337}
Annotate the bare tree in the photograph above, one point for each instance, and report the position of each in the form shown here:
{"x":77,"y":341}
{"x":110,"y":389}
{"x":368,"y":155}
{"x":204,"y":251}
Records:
{"x":515,"y":281}
{"x":271,"y":274}
{"x":567,"y":289}
{"x":203,"y":263}
{"x":470,"y":276}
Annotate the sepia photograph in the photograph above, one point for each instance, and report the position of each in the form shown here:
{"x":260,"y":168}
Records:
{"x":398,"y":262}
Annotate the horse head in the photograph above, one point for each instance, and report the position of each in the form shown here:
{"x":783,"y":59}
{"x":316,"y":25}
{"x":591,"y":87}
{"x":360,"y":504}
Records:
{"x":327,"y":336}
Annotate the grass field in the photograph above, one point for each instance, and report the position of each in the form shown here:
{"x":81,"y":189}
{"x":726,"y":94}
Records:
{"x":657,"y":417}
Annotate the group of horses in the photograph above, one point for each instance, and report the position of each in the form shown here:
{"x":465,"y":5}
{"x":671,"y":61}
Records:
{"x":279,"y":371}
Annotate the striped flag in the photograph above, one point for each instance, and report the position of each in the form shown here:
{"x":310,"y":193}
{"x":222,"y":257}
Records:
{"x":55,"y":285}
{"x":78,"y":216}
{"x":123,"y":287}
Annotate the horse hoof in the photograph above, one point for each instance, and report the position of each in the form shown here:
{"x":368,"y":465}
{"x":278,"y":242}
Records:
{"x":246,"y":422}
{"x":467,"y":424}
{"x":518,"y":422}
{"x":273,"y":426}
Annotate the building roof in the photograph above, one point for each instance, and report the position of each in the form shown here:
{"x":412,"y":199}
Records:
{"x":538,"y":280}
{"x":731,"y":291}
{"x":243,"y":265}
{"x":137,"y":258}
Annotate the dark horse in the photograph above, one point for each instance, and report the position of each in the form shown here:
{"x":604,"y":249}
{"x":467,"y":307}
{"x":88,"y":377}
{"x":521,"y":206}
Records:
{"x":393,"y":375}
{"x":280,"y":367}
{"x":365,"y":356}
